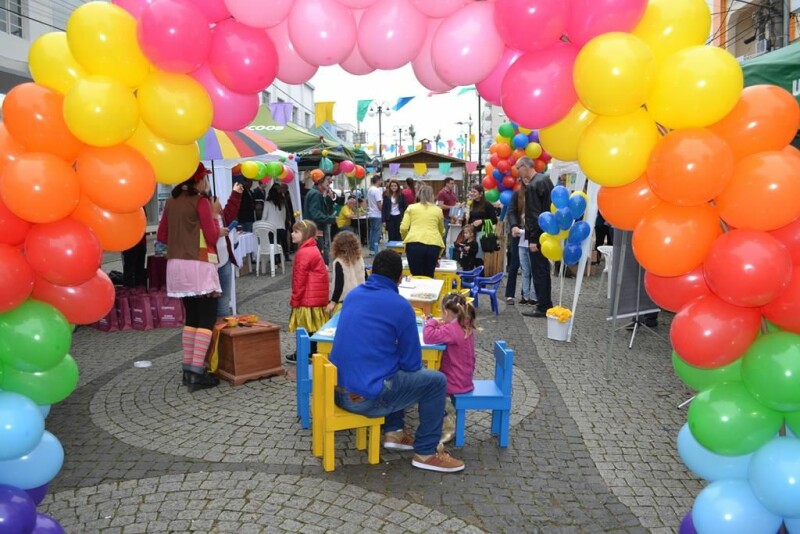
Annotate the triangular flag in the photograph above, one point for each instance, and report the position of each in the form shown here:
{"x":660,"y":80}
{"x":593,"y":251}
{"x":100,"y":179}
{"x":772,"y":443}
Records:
{"x":363,"y":108}
{"x":281,"y":112}
{"x":323,"y":113}
{"x":411,"y":148}
{"x":394,"y":168}
{"x":444,"y":167}
{"x":471,"y":166}
{"x":420,"y":169}
{"x":466,"y":90}
{"x":402,"y":101}
{"x":472,"y":138}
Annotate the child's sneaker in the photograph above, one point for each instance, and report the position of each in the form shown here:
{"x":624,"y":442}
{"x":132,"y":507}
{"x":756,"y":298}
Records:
{"x":291,"y":358}
{"x":400,"y":440}
{"x":441,"y":462}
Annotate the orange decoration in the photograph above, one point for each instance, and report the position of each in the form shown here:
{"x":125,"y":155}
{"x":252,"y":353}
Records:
{"x":10,"y":149}
{"x":623,"y":207}
{"x":116,"y":231}
{"x":116,"y":178}
{"x":503,"y":150}
{"x":40,"y":188}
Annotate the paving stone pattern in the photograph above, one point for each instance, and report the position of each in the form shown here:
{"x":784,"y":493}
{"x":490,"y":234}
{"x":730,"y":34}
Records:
{"x":587,"y":453}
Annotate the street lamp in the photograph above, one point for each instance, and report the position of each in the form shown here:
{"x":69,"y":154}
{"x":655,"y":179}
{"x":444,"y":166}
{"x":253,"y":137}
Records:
{"x":413,"y":134}
{"x":468,"y":123}
{"x":399,"y":140}
{"x":380,"y":109}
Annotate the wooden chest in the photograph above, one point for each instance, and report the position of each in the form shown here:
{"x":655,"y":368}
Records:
{"x":250,"y":352}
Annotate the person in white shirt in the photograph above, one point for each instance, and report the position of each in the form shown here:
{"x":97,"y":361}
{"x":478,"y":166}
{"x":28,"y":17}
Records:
{"x":374,"y":213}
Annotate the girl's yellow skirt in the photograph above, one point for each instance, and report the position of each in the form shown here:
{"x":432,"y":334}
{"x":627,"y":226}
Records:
{"x":311,"y":319}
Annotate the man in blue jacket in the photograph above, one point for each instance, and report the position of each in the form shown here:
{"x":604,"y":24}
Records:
{"x":379,"y":358}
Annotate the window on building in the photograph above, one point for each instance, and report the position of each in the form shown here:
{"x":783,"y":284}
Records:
{"x":308,"y":120}
{"x":11,"y":17}
{"x":295,"y":115}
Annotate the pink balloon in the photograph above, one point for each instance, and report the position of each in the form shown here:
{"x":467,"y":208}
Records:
{"x":292,"y":69}
{"x":391,"y":34}
{"x":232,"y":111}
{"x":258,"y":15}
{"x":537,"y":90}
{"x":423,"y":65}
{"x":530,"y":25}
{"x":489,"y":87}
{"x":214,"y":10}
{"x":323,"y":31}
{"x":289,"y":176}
{"x":355,"y":63}
{"x":465,"y":49}
{"x":242,"y":58}
{"x":438,"y":9}
{"x":174,"y":35}
{"x":357,"y":4}
{"x":134,"y":7}
{"x":346,"y":166}
{"x":591,"y":18}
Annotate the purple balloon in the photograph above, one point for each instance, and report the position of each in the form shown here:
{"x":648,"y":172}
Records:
{"x":37,"y":494}
{"x":17,"y":511}
{"x":687,"y":525}
{"x":533,"y":137}
{"x":47,"y":525}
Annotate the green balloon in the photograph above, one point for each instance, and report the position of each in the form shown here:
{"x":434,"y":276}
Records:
{"x":727,"y":420}
{"x":274,"y":169}
{"x":771,"y":327}
{"x":492,"y":195}
{"x":699,"y":379}
{"x":793,"y":422}
{"x":506,"y":130}
{"x":262,"y":170}
{"x":43,"y":387}
{"x":325,"y":164}
{"x":771,"y":370}
{"x":34,"y":336}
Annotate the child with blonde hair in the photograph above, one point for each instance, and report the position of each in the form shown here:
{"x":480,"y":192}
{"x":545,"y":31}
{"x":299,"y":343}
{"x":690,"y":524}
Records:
{"x":348,"y":268}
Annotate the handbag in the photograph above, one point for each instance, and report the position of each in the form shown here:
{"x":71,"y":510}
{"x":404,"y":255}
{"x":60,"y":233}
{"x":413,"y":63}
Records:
{"x":489,"y":241}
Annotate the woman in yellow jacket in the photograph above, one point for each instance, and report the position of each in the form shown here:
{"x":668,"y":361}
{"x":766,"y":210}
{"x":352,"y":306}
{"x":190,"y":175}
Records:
{"x":422,"y":229}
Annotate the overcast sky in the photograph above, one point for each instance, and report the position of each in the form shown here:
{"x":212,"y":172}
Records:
{"x":429,"y":115}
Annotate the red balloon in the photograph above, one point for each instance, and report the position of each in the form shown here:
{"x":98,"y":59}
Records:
{"x":545,"y":157}
{"x":747,"y":267}
{"x":14,"y":228}
{"x":508,"y":182}
{"x":539,"y":165}
{"x":489,"y":183}
{"x":674,"y":292}
{"x":789,"y":235}
{"x":16,"y":278}
{"x":81,"y":304}
{"x":494,"y":159}
{"x":360,"y":171}
{"x":503,"y":166}
{"x":65,"y":252}
{"x":711,"y":333}
{"x":784,"y":310}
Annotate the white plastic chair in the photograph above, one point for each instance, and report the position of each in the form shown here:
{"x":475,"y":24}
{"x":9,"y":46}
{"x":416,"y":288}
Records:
{"x":608,"y":257}
{"x":266,"y":233}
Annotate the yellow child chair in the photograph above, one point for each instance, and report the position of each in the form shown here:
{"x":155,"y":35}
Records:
{"x":329,"y":418}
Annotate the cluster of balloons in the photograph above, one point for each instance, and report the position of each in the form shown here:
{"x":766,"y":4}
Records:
{"x":561,"y":225}
{"x":18,"y":510}
{"x":512,"y":142}
{"x":271,"y":170}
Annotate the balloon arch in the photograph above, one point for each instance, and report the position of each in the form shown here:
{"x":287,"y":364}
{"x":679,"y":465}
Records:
{"x":698,"y":168}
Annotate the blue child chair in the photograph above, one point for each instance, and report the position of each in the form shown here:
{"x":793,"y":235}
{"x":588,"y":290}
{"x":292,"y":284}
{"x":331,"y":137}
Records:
{"x":303,"y":377}
{"x":487,"y":286}
{"x":468,"y":277}
{"x":492,"y":395}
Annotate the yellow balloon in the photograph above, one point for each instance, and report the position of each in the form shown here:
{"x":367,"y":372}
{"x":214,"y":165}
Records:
{"x":250,"y":169}
{"x":672,"y":25}
{"x":563,"y":234}
{"x":172,"y":163}
{"x":524,"y":130}
{"x":102,"y":38}
{"x":614,"y":73}
{"x":696,"y":87}
{"x":614,"y":151}
{"x":500,"y":139}
{"x":547,"y":237}
{"x":175,"y":107}
{"x":101,"y":111}
{"x":561,"y":139}
{"x":553,"y":208}
{"x":551,"y":249}
{"x":52,"y":64}
{"x":533,"y":150}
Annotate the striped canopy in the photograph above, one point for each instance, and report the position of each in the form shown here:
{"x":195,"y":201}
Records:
{"x":219,"y":144}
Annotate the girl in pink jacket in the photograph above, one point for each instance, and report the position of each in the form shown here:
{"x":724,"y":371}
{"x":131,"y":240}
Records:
{"x":456,"y":330}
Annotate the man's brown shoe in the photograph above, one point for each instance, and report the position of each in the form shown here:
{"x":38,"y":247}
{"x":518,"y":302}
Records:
{"x":401,"y":440}
{"x":441,"y":462}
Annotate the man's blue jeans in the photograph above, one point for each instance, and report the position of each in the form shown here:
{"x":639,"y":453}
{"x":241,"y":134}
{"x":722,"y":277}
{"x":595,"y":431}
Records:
{"x":425,"y":388}
{"x":375,"y":227}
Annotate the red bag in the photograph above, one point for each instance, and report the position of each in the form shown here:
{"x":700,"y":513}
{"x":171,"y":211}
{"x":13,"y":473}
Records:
{"x":141,"y":313}
{"x":122,"y":304}
{"x":170,"y":310}
{"x":109,"y":323}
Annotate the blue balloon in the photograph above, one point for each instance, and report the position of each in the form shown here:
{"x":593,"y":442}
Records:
{"x":687,"y":525}
{"x":564,"y":218}
{"x":21,"y":425}
{"x":520,"y":140}
{"x":709,"y":465}
{"x":547,"y":222}
{"x":559,"y":196}
{"x":497,"y":175}
{"x":45,"y":410}
{"x":47,"y":525}
{"x":576,"y":205}
{"x":792,"y":524}
{"x":17,"y":510}
{"x":774,"y":476}
{"x":572,"y":253}
{"x":579,"y":231}
{"x":505,"y":197}
{"x":36,"y":468}
{"x":731,"y":506}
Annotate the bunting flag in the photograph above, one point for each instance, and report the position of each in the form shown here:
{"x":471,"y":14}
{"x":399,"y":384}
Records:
{"x":420,"y":169}
{"x":471,"y":166}
{"x":466,"y":90}
{"x":393,"y":148}
{"x":440,"y":144}
{"x":449,"y":144}
{"x":281,"y":112}
{"x":435,"y":93}
{"x":363,"y":108}
{"x":394,"y":168}
{"x":323,"y":113}
{"x":472,"y":138}
{"x":411,"y":148}
{"x":402,"y":101}
{"x":444,"y":167}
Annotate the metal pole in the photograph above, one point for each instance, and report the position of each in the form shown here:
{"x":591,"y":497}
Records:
{"x":380,"y":139}
{"x":787,"y":16}
{"x":480,"y":142}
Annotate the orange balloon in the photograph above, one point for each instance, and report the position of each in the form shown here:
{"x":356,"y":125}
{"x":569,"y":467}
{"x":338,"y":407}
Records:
{"x":623,"y":207}
{"x":519,"y":153}
{"x":116,"y":178}
{"x":674,"y":240}
{"x":493,"y":148}
{"x":514,"y":172}
{"x":33,"y":115}
{"x":488,"y":169}
{"x":10,"y":149}
{"x":116,"y":231}
{"x":689,"y":167}
{"x":539,"y":165}
{"x":789,"y":149}
{"x":765,"y":118}
{"x":40,"y":188}
{"x":503,"y":150}
{"x":764,"y":193}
